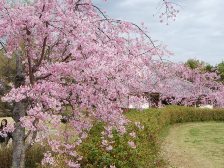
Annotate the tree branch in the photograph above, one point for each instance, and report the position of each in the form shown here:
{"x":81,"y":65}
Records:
{"x":42,"y":55}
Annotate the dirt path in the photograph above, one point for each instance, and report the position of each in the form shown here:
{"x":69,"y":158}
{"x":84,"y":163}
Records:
{"x":195,"y":145}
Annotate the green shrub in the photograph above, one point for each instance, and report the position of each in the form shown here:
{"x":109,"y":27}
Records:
{"x":94,"y":155}
{"x":33,"y":156}
{"x":147,"y":153}
{"x":148,"y":140}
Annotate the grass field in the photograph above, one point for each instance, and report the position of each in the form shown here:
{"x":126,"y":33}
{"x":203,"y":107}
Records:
{"x":195,"y":145}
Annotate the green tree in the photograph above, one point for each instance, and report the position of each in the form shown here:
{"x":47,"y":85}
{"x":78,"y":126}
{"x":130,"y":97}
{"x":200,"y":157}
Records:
{"x":221,"y":70}
{"x":192,"y":63}
{"x":208,"y":68}
{"x":197,"y":64}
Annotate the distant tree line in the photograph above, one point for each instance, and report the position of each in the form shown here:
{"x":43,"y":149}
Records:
{"x":206,"y":67}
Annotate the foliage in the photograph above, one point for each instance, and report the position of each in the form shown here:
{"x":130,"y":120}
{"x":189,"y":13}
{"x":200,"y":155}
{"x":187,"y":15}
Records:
{"x":122,"y":155}
{"x":7,"y":68}
{"x":197,"y":64}
{"x":72,"y":54}
{"x":147,"y":151}
{"x":155,"y":121}
{"x":193,"y":63}
{"x":221,"y":70}
{"x":7,"y":74}
{"x":33,"y":156}
{"x":208,"y":68}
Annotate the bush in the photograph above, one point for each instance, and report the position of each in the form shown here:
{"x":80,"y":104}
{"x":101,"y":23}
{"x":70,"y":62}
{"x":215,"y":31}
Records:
{"x":94,"y":155}
{"x":148,"y":140}
{"x":147,"y":153}
{"x":33,"y":156}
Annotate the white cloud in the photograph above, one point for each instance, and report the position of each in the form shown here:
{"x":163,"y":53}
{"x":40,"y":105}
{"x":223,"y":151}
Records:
{"x":134,"y":3}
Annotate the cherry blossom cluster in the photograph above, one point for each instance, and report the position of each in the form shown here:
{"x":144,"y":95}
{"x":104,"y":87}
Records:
{"x":169,"y":13}
{"x":75,"y":57}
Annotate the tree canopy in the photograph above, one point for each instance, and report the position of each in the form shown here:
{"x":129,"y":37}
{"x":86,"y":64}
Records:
{"x":221,"y":70}
{"x":70,"y":55}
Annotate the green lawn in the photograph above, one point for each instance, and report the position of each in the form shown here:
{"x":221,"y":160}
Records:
{"x":195,"y":145}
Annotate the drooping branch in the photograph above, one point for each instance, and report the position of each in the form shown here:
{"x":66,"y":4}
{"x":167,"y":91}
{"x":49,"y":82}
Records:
{"x":30,"y":69}
{"x":41,"y":56}
{"x":42,"y":11}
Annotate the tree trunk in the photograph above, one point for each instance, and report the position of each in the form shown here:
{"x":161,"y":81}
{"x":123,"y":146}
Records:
{"x":19,"y":110}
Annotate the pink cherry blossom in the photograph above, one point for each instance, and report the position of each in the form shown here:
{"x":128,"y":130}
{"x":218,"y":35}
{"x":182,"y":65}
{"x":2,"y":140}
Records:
{"x":79,"y":63}
{"x":132,"y":144}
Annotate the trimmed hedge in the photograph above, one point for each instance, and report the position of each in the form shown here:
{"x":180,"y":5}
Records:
{"x":148,"y":140}
{"x":147,"y":153}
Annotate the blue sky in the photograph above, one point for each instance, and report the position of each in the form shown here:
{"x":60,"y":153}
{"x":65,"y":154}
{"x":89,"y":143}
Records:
{"x":198,"y":31}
